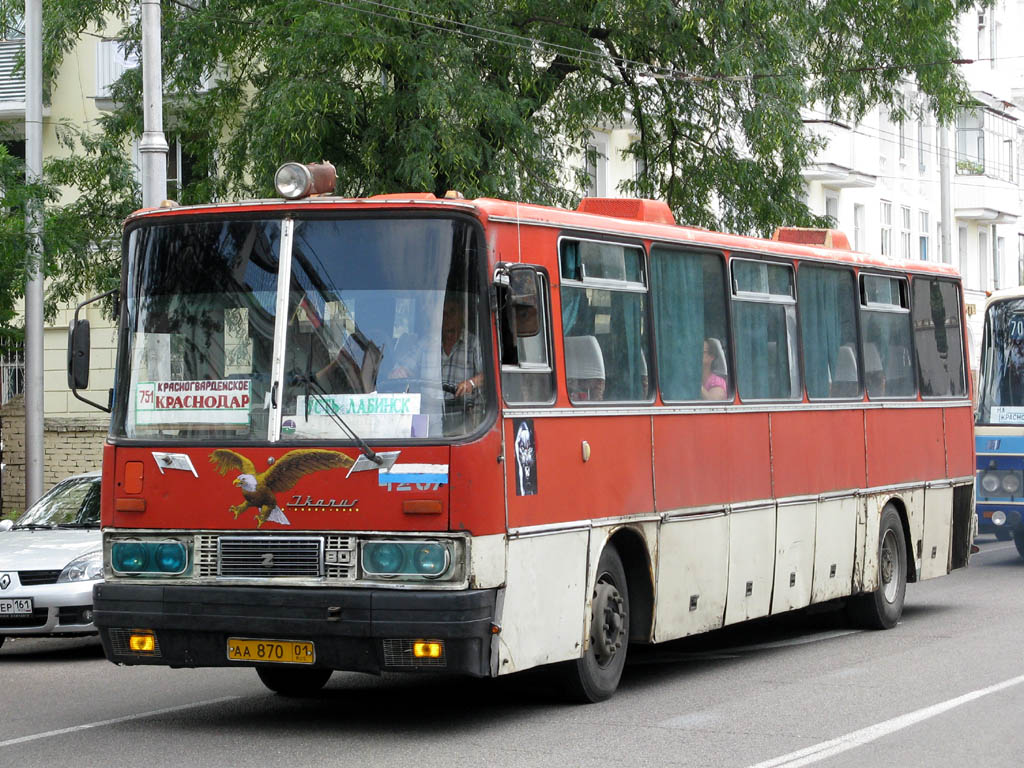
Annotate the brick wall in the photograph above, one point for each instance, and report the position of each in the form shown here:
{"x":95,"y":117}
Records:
{"x":70,"y":446}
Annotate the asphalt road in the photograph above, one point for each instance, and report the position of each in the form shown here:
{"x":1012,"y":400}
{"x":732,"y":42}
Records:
{"x":944,"y":688}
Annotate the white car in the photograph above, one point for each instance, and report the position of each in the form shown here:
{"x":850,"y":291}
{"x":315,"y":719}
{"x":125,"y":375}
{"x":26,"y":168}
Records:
{"x":50,"y":559}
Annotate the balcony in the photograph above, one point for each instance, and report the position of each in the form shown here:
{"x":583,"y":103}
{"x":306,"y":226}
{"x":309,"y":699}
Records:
{"x":985,"y":199}
{"x":843,"y":162}
{"x":12,"y":85}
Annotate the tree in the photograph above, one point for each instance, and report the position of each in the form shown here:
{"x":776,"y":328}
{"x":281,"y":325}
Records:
{"x":496,"y":99}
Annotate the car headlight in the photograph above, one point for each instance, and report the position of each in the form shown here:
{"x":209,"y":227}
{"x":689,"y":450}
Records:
{"x":87,"y":567}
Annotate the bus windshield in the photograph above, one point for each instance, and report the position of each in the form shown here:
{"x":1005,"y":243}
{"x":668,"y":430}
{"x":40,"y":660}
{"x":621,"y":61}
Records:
{"x":374,"y":325}
{"x":1001,"y":400}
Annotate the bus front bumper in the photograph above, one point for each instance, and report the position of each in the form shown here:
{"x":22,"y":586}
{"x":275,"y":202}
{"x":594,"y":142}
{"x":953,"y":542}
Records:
{"x":363,"y":630}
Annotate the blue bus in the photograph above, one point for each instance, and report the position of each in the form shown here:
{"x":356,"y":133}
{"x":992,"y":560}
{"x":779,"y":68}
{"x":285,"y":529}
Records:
{"x":999,"y":419}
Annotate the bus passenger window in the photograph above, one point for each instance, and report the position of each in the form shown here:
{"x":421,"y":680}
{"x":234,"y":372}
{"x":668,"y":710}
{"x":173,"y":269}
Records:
{"x":764,"y":316}
{"x":938,"y":338}
{"x":688,"y":291}
{"x":604,"y":300}
{"x":827,"y":308}
{"x":885,"y":328}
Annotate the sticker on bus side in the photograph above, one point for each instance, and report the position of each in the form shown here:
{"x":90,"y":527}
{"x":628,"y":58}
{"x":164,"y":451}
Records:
{"x":525,"y":443}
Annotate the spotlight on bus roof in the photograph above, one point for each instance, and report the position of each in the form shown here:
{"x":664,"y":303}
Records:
{"x":294,"y":181}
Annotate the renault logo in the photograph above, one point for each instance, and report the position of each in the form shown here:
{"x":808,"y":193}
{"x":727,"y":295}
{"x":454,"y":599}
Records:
{"x":268,"y":560}
{"x":5,"y":581}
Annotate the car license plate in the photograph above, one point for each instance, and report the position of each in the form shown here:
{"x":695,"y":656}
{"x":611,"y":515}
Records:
{"x":16,"y":606}
{"x":277,"y":651}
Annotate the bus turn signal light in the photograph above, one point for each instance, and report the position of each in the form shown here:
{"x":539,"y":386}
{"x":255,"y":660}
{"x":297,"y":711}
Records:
{"x":142,"y":642}
{"x":423,"y":649}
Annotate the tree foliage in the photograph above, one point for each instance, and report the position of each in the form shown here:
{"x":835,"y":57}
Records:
{"x":497,"y":98}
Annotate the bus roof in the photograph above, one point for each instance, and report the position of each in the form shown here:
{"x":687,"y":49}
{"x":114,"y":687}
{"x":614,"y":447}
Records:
{"x":658,"y":230}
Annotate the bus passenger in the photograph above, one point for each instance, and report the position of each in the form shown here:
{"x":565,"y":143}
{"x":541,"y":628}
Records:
{"x":713,"y":385}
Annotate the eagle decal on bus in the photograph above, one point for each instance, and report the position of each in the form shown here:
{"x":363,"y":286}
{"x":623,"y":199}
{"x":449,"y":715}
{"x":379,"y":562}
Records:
{"x":258,"y":488}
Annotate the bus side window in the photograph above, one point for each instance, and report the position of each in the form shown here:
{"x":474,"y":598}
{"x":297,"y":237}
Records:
{"x":764,"y":324}
{"x":938,"y":337}
{"x":604,"y":298}
{"x":828,"y":323}
{"x":691,"y":330}
{"x":886,"y":342}
{"x":527,"y":375}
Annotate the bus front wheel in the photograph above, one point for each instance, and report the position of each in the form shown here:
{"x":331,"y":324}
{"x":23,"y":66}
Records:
{"x":882,"y":608}
{"x":288,"y":680}
{"x":595,"y":676}
{"x":1018,"y":541}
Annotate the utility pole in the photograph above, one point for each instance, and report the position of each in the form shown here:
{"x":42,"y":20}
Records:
{"x":153,"y":146}
{"x":946,"y":198}
{"x":34,"y":456}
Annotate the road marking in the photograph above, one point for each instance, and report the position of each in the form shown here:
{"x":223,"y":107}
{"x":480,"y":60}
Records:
{"x":113,"y":721}
{"x":827,"y":749}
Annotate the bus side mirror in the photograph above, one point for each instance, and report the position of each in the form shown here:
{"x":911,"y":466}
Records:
{"x":78,"y":352}
{"x":524,"y":301}
{"x":78,"y":355}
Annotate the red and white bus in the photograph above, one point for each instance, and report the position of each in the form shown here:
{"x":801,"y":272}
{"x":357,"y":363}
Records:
{"x":408,"y":433}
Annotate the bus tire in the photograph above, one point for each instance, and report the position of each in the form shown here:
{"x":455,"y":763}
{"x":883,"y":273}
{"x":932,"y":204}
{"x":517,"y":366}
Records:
{"x":1018,"y":541}
{"x":882,"y":608}
{"x":595,"y":676}
{"x":288,"y":680}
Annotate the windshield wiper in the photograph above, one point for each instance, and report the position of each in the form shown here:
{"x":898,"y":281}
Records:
{"x":313,"y":388}
{"x":36,"y":526}
{"x":79,"y":525}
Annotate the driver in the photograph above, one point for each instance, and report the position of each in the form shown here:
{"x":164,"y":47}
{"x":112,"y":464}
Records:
{"x":461,"y":361}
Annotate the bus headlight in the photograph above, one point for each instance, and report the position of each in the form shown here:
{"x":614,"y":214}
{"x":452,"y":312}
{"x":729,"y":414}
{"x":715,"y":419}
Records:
{"x":1011,"y":483}
{"x":407,"y":559}
{"x":990,"y":482}
{"x":138,"y":557}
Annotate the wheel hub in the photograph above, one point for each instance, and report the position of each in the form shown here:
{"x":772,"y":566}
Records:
{"x":609,"y":623}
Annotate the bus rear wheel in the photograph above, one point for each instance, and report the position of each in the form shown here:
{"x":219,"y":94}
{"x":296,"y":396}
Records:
{"x":882,"y":608}
{"x":293,"y":681}
{"x":595,"y":676}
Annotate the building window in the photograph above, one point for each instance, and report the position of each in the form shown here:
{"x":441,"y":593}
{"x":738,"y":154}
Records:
{"x":832,"y":208}
{"x":886,"y":227}
{"x":1020,"y":259}
{"x":12,"y":369}
{"x":905,"y":231}
{"x":984,"y":258}
{"x":997,"y":260}
{"x":858,"y":226}
{"x":923,"y":235}
{"x":961,"y":247}
{"x":595,"y":170}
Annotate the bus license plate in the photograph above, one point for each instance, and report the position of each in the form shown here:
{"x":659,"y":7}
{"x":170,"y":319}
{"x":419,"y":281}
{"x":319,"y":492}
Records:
{"x":276,"y":651}
{"x":16,"y":606}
